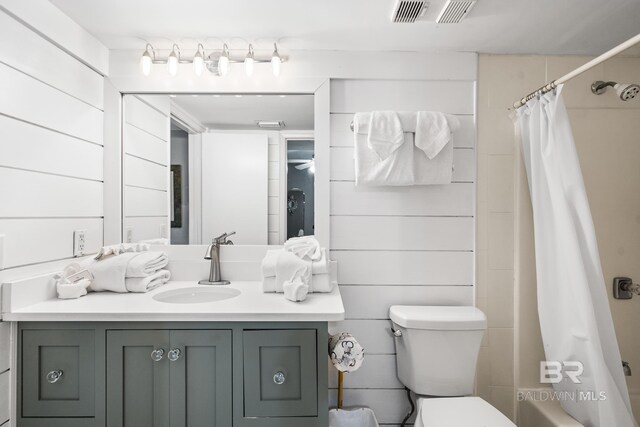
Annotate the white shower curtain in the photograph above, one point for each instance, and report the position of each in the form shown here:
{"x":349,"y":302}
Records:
{"x":575,"y":318}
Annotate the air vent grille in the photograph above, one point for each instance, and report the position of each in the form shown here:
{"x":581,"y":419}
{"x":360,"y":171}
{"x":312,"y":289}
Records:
{"x":407,"y":11}
{"x":270,"y":124}
{"x":454,"y":11}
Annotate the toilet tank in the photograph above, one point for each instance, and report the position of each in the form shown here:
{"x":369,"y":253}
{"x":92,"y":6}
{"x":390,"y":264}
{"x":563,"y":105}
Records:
{"x":437,"y":347}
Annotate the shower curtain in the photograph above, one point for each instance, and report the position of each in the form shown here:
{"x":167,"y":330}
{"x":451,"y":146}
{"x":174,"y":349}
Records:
{"x":575,"y":318}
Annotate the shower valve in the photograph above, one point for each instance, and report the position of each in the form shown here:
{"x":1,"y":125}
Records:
{"x":624,"y":288}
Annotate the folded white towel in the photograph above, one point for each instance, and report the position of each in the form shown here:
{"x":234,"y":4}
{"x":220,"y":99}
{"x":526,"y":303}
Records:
{"x":290,"y":267}
{"x":109,"y":273}
{"x":74,"y":290}
{"x":295,"y":290}
{"x":305,"y":247}
{"x":438,"y":170}
{"x":434,"y":131}
{"x":320,"y":266}
{"x":385,"y":133}
{"x":121,"y":249}
{"x":318,"y":283}
{"x":145,"y":284}
{"x":146,"y":263}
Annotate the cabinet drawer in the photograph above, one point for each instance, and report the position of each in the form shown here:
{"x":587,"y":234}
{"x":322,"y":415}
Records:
{"x":67,"y":354}
{"x":280,"y":377}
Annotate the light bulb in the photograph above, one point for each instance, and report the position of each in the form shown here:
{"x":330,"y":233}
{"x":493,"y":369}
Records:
{"x":248,"y":62}
{"x":223,"y":61}
{"x":172,"y":62}
{"x":198,"y":63}
{"x":276,"y":61}
{"x":145,"y":63}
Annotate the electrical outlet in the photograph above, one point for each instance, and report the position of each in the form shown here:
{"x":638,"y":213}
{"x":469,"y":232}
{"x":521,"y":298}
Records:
{"x":129,"y":233}
{"x":1,"y":251}
{"x":163,"y":231}
{"x":79,"y":242}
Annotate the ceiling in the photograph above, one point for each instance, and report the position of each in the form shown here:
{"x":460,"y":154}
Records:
{"x":242,"y":111}
{"x":495,"y":26}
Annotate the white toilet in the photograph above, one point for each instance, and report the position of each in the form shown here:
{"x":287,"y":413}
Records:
{"x":436,"y":352}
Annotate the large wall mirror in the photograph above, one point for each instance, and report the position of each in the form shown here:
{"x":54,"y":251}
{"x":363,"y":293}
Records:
{"x":199,"y":165}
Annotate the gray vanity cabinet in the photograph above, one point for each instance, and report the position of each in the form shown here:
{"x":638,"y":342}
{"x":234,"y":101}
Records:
{"x":162,"y":378}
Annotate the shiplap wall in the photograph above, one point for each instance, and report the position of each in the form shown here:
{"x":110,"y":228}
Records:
{"x":146,"y":134}
{"x":51,"y":159}
{"x":398,"y":245}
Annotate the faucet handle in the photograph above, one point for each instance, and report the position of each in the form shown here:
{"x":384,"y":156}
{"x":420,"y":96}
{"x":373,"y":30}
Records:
{"x":222,"y":239}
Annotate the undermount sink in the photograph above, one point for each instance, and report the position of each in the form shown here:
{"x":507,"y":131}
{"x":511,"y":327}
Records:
{"x":196,"y":294}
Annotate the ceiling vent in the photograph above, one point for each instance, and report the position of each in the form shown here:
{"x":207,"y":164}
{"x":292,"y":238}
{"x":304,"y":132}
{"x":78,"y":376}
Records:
{"x":407,"y":11}
{"x":454,"y":11}
{"x":270,"y":124}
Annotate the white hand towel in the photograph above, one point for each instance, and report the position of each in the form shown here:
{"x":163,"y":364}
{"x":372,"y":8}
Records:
{"x":122,"y":248}
{"x":434,"y":131}
{"x":305,"y":247}
{"x":269,"y":262}
{"x":146,"y":263}
{"x":385,"y":133}
{"x":145,"y":284}
{"x":295,"y":290}
{"x":109,"y":273}
{"x":438,"y":170}
{"x":74,"y":290}
{"x":290,"y":267}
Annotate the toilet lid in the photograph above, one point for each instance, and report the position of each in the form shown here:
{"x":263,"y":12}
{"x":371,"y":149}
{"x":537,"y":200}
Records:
{"x":459,"y":412}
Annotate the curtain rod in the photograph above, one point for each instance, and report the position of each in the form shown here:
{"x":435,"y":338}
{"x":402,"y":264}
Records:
{"x":550,"y":86}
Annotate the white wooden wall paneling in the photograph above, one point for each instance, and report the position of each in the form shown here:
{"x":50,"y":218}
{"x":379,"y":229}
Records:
{"x":145,"y":202}
{"x":145,"y":145}
{"x":342,"y":136}
{"x":404,"y":267}
{"x":446,"y":200}
{"x":5,"y":396}
{"x":373,"y":302}
{"x":44,"y":61}
{"x":373,"y":334}
{"x":29,"y":241}
{"x":31,"y":100}
{"x":342,"y":165}
{"x":452,"y":97}
{"x":162,"y":103}
{"x":378,"y":371}
{"x":145,"y":228}
{"x":402,"y":233}
{"x":25,"y":146}
{"x":5,"y":346}
{"x":146,"y":118}
{"x":42,"y":195}
{"x":143,"y":173}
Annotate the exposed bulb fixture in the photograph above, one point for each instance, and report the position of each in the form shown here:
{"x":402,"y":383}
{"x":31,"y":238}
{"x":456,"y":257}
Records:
{"x":223,"y":61}
{"x":198,"y":60}
{"x":248,"y":62}
{"x":276,"y":61}
{"x":173,"y":60}
{"x":147,"y":60}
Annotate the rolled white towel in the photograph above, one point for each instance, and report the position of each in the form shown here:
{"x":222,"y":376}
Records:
{"x":109,"y":273}
{"x":270,"y":260}
{"x":295,"y":290}
{"x":319,"y":283}
{"x":122,"y":248}
{"x":304,"y":247}
{"x":290,"y":267}
{"x":146,"y":263}
{"x":145,"y":284}
{"x":74,"y":290}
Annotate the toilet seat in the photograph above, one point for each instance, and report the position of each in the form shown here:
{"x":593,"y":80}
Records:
{"x":458,"y":412}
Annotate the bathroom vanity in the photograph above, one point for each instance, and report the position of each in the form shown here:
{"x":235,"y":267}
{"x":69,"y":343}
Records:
{"x":253,"y":360}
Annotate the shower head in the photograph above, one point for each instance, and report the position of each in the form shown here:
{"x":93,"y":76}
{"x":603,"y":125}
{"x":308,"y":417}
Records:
{"x":625,"y":91}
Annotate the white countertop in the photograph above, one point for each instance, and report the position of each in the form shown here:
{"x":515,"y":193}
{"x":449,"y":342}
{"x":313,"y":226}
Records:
{"x":252,"y":305}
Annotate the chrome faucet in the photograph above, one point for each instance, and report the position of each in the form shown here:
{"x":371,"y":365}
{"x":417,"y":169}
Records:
{"x":213,"y":253}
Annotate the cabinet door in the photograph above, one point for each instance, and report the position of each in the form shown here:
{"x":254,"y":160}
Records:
{"x":137,"y":385}
{"x":280,"y":374}
{"x":58,"y":373}
{"x":201,"y":389}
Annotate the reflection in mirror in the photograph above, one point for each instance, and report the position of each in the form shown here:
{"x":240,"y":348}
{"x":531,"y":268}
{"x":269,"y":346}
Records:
{"x":197,"y":166}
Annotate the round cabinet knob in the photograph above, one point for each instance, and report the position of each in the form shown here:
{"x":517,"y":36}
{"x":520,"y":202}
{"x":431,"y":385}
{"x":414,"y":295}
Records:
{"x":279,"y":378}
{"x":54,"y":376}
{"x":156,"y":355}
{"x":174,"y":354}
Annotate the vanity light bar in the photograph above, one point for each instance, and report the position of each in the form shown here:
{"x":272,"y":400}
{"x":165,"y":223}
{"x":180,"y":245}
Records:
{"x":216,"y":63}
